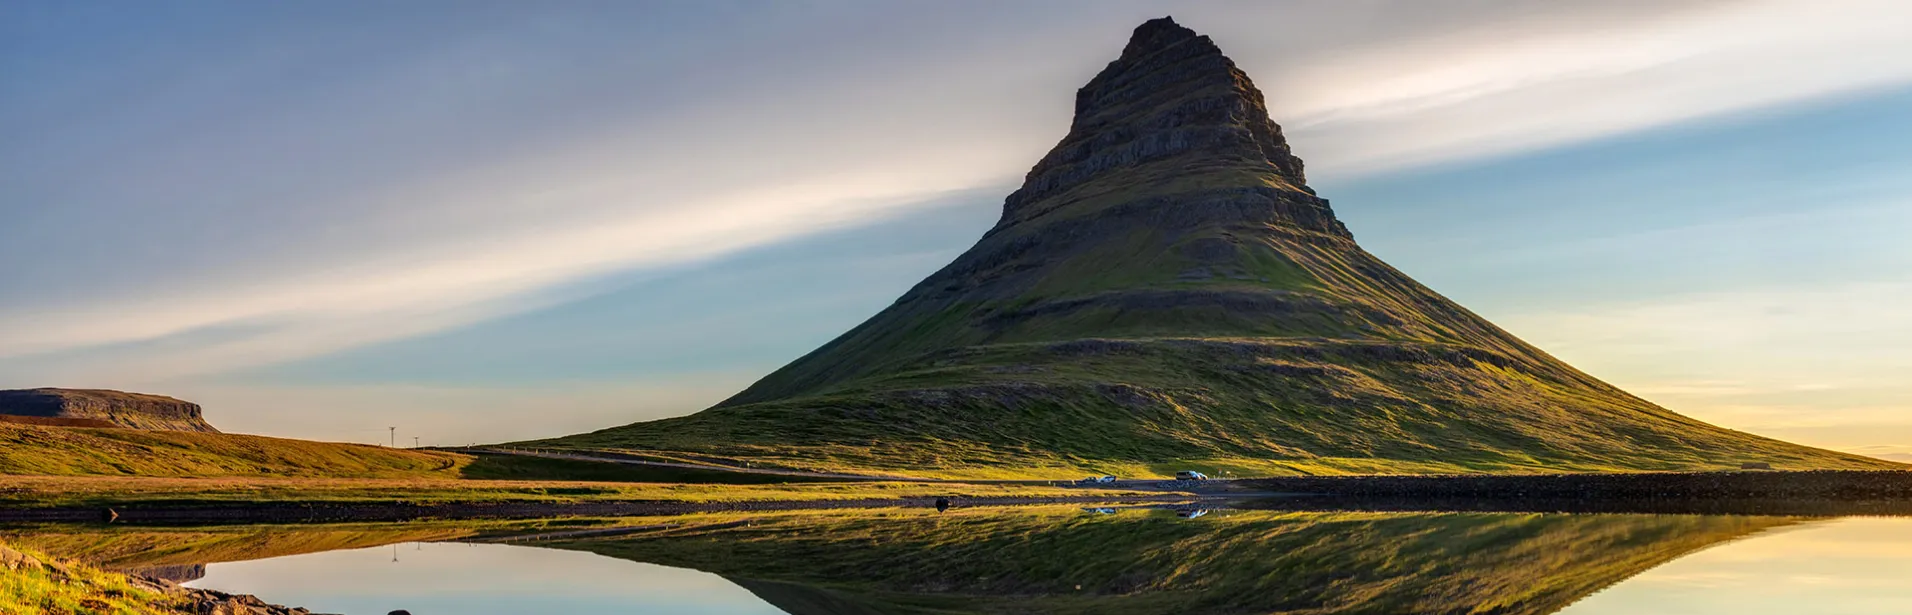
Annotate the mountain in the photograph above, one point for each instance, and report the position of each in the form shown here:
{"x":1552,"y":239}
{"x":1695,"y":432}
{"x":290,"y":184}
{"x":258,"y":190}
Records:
{"x":1063,"y":561}
{"x":1165,"y":291}
{"x":102,"y":408}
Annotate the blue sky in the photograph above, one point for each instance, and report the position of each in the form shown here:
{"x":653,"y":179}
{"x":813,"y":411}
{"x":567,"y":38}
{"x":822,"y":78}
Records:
{"x":321,"y":219}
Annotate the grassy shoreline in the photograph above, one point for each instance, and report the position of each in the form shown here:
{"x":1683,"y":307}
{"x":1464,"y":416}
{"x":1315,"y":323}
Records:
{"x":56,"y":491}
{"x":137,"y":500}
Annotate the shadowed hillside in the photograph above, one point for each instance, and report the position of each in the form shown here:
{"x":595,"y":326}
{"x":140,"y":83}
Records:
{"x":1165,"y":291}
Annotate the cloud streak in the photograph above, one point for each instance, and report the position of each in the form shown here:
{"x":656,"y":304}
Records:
{"x":236,"y":217}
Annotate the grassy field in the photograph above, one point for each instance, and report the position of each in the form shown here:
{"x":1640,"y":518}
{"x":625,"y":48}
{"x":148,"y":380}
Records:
{"x":41,"y":450}
{"x":73,"y":451}
{"x":509,"y":467}
{"x":49,"y":491}
{"x":62,"y":466}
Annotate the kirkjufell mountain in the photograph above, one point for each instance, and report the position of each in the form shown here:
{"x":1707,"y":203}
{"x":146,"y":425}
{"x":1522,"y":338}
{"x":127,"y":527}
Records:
{"x":1165,"y":292}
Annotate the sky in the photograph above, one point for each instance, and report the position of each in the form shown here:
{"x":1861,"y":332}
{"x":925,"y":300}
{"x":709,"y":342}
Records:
{"x":490,"y":221}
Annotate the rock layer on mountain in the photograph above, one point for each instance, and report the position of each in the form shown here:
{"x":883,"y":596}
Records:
{"x":1165,"y":290}
{"x":95,"y":407}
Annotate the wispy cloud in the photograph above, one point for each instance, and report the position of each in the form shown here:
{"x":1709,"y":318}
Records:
{"x":235,"y":217}
{"x":1490,"y":90}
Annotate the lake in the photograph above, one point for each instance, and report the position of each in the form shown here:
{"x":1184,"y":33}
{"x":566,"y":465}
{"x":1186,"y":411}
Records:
{"x":1050,"y":559}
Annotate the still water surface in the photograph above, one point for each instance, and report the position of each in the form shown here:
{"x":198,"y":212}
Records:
{"x":428,"y":578}
{"x":1043,"y":560}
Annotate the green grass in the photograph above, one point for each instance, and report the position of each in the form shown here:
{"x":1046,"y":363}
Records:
{"x":104,"y":491}
{"x":1244,"y":407}
{"x":504,"y":467}
{"x":69,"y":451}
{"x":62,"y":466}
{"x":41,"y":585}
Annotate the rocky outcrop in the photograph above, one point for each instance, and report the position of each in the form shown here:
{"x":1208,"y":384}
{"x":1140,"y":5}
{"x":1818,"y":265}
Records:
{"x":175,"y":573}
{"x":1171,"y":93}
{"x":211,"y":602}
{"x":80,"y":407}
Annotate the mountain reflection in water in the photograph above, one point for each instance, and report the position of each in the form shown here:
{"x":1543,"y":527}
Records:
{"x":1024,"y":560}
{"x":1153,"y":562}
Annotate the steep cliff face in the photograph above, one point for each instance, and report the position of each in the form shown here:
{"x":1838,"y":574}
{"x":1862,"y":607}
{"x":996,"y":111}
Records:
{"x":117,"y":408}
{"x":1165,"y":287}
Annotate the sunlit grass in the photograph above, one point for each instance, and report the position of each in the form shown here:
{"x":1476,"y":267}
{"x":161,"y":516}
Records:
{"x":39,"y":585}
{"x":1150,"y":407}
{"x":29,"y":449}
{"x":47,"y":491}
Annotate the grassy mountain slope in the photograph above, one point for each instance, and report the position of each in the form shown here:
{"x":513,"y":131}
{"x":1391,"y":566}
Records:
{"x":1166,"y":292}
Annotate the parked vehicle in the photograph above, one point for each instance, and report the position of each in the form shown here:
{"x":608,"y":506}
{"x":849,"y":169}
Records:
{"x":1105,"y":480}
{"x":1190,"y":475}
{"x":1191,"y":514}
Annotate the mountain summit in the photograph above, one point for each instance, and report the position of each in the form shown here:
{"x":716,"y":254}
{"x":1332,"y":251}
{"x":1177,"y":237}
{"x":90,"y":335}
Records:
{"x":1165,"y":291}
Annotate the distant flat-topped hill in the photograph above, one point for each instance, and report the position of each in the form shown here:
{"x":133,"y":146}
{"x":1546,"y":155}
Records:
{"x":102,"y":408}
{"x":1165,"y":291}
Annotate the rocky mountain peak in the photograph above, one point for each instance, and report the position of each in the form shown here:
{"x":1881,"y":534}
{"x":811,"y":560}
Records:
{"x":1158,"y":34}
{"x":1172,"y":103}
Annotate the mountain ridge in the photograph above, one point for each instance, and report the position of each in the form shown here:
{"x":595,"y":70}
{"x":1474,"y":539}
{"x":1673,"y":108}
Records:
{"x":1166,"y":290}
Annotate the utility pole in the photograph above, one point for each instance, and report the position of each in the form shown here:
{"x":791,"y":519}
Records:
{"x":414,"y":441}
{"x":394,"y":436}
